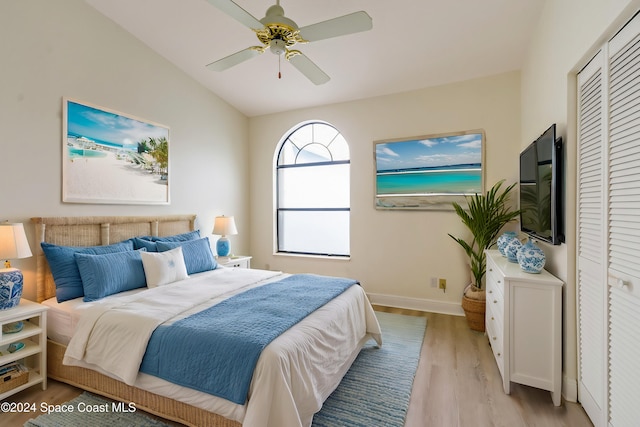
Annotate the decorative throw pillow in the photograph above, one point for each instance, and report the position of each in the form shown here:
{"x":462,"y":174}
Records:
{"x":65,"y":270}
{"x":108,"y":274}
{"x":164,"y":267}
{"x":149,"y":242}
{"x":141,"y":242}
{"x":197,"y":254}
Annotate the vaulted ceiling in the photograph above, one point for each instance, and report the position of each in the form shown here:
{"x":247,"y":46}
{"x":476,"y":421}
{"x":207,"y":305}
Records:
{"x":413,"y":44}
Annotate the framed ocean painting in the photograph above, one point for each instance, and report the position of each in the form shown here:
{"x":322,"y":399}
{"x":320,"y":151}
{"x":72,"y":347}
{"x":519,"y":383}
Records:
{"x":429,"y":172}
{"x":111,"y":157}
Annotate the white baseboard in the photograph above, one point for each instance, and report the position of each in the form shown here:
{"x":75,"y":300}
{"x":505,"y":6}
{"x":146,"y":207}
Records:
{"x":420,"y":304}
{"x":569,"y":389}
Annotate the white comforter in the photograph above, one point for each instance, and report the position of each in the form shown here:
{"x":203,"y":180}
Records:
{"x":295,"y":373}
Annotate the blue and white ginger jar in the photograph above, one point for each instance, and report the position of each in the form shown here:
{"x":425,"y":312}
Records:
{"x":10,"y":288}
{"x":503,"y":240}
{"x":531,"y":258}
{"x":512,"y":248}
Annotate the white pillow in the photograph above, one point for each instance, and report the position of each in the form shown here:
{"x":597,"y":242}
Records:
{"x":162,"y":268}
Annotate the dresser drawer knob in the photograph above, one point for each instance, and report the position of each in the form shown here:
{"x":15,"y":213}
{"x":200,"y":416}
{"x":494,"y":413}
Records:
{"x":499,"y":354}
{"x":495,"y":301}
{"x":491,"y":291}
{"x":492,"y":318}
{"x":495,"y":338}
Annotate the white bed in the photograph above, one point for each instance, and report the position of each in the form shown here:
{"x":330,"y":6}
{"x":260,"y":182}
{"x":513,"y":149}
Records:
{"x":294,"y":374}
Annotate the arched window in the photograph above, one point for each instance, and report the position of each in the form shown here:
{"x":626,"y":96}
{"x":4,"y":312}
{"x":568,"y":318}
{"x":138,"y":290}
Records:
{"x":313,"y":202}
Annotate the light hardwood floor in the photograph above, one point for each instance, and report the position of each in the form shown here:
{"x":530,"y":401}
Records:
{"x":457,"y":384}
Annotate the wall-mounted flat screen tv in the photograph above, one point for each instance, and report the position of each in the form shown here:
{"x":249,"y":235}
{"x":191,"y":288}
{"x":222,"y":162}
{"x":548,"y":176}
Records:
{"x":541,"y":188}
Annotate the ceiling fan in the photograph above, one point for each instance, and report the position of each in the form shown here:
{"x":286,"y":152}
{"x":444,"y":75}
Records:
{"x":279,"y":33}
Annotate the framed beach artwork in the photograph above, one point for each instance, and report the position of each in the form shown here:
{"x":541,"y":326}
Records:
{"x":111,"y":157}
{"x":429,"y":172}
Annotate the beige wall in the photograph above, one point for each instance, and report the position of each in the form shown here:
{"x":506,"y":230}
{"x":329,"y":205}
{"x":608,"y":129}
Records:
{"x":566,"y":38}
{"x":51,"y":49}
{"x":393,"y":253}
{"x":65,"y":48}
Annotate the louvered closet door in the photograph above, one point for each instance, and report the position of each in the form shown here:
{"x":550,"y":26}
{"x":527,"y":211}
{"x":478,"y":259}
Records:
{"x":624,"y":226}
{"x":591,"y":275}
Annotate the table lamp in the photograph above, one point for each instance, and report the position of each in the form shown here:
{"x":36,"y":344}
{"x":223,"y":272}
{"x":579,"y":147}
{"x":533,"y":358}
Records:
{"x":224,"y":226}
{"x":13,"y":245}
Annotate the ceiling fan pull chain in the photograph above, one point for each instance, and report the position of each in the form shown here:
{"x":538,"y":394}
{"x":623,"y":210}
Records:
{"x":279,"y":62}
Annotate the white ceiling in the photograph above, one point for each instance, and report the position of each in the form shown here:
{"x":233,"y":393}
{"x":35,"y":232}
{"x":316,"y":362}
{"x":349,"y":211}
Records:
{"x":414,"y":44}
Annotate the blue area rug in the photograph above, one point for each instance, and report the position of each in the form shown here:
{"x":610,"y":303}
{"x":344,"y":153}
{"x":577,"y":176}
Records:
{"x":377,"y":388}
{"x":94,"y":411}
{"x":375,"y":392}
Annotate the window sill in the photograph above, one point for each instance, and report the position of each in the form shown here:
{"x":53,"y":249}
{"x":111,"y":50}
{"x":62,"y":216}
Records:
{"x":326,"y":257}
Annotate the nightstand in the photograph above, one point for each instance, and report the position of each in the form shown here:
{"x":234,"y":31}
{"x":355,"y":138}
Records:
{"x":235,"y":261}
{"x":34,"y":336}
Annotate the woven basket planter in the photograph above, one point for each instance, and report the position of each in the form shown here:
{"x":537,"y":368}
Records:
{"x":474,"y":311}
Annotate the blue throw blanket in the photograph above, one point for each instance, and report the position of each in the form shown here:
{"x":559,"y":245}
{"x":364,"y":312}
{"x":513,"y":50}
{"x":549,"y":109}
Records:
{"x":216,"y":350}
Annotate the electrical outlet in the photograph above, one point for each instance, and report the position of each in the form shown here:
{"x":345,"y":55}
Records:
{"x":434,"y":282}
{"x":442,"y":284}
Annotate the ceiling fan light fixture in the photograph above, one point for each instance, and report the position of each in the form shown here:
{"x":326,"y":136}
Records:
{"x":277,"y":46}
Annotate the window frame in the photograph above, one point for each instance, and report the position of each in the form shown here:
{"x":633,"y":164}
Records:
{"x":287,"y":139}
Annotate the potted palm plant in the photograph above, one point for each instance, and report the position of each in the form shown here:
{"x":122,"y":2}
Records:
{"x":484,"y":217}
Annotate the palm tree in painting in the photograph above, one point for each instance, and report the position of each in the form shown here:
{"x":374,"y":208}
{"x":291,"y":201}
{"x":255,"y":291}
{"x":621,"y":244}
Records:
{"x":159,"y":150}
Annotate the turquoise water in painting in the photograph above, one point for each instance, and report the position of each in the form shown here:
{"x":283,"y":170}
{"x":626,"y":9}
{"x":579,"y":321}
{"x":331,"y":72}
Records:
{"x":95,"y":148}
{"x":463,"y":179}
{"x":107,"y":144}
{"x":79,"y":152}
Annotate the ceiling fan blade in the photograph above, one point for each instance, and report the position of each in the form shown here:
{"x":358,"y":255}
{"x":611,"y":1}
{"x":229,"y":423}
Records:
{"x":237,"y":13}
{"x":309,"y":69}
{"x":343,"y":25}
{"x":235,"y":58}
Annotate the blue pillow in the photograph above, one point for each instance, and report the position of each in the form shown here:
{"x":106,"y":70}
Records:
{"x":197,"y":254}
{"x":65,"y":270}
{"x":141,"y":242}
{"x":108,"y":274}
{"x":191,"y":235}
{"x":148,"y":242}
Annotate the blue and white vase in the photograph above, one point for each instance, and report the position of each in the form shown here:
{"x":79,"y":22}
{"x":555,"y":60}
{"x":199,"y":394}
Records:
{"x":503,"y":240}
{"x":10,"y":288}
{"x":512,"y":248}
{"x":531,"y":258}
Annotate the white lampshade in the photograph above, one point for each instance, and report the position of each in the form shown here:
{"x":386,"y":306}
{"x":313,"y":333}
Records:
{"x":225,"y":226}
{"x":13,"y":242}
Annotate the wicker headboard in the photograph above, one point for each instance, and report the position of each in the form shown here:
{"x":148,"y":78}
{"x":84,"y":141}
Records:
{"x":97,"y":230}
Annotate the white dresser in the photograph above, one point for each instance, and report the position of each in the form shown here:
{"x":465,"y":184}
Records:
{"x":524,"y":325}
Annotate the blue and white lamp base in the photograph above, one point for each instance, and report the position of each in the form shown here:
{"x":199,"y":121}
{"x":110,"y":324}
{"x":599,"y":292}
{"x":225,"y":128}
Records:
{"x":223,"y":247}
{"x":10,"y":287}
